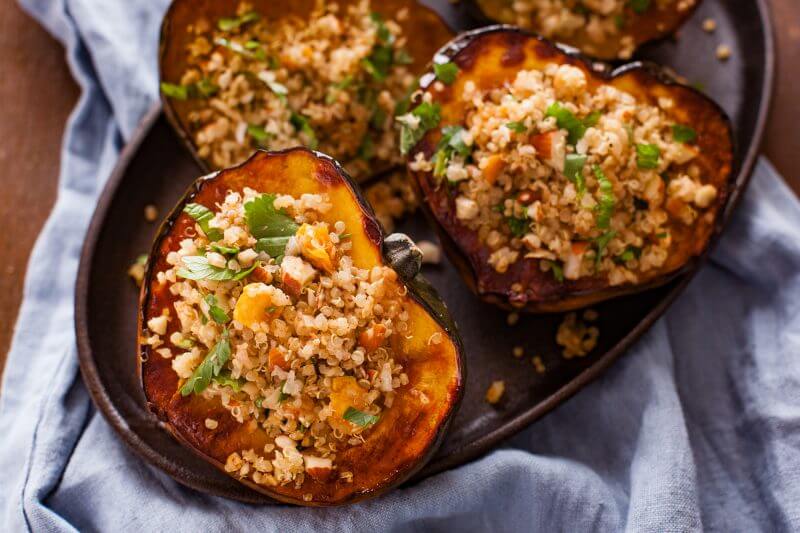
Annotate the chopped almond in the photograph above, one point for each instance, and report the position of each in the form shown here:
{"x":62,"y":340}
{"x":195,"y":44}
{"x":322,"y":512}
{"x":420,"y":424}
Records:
{"x":296,"y":274}
{"x":319,"y":468}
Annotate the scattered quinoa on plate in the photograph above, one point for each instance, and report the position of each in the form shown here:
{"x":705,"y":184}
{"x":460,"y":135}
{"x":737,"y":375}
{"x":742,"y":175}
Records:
{"x":301,"y":349}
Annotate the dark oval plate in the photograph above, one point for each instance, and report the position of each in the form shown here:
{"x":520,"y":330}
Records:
{"x":155,"y":169}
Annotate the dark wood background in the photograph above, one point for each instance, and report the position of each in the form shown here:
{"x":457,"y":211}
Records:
{"x":38,"y":93}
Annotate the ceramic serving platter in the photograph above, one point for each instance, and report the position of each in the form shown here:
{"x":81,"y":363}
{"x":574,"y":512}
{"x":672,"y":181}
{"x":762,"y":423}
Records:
{"x":155,"y":169}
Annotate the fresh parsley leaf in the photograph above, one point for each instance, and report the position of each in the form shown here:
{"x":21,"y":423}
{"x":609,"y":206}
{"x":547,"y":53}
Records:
{"x":233,"y":23}
{"x":640,"y":6}
{"x":384,"y":35}
{"x":517,"y":127}
{"x":606,"y":202}
{"x":573,"y":170}
{"x":214,"y":311}
{"x":203,"y":215}
{"x":401,"y":107}
{"x":619,"y":21}
{"x":258,"y":133}
{"x":210,"y":367}
{"x":302,"y":124}
{"x":429,"y":116}
{"x":663,"y":235}
{"x":272,"y":227}
{"x":360,"y":418}
{"x":197,"y":268}
{"x":141,"y":259}
{"x":602,"y":242}
{"x":631,"y":252}
{"x":379,"y":62}
{"x":566,"y":120}
{"x":264,"y":220}
{"x":225,"y":379}
{"x":558,"y":271}
{"x":683,"y":134}
{"x":224,"y":250}
{"x":647,"y":155}
{"x":178,"y":92}
{"x":452,"y":141}
{"x":592,"y":119}
{"x":202,"y":89}
{"x":518,"y":226}
{"x":446,"y":72}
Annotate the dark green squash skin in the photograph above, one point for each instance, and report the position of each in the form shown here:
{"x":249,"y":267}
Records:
{"x":399,"y":255}
{"x":559,"y":297}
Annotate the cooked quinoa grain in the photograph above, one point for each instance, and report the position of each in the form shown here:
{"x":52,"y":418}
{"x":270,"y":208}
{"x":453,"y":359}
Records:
{"x":584,"y":179}
{"x":495,"y":392}
{"x":330,"y":82}
{"x":600,"y":20}
{"x":575,"y":337}
{"x":300,"y":349}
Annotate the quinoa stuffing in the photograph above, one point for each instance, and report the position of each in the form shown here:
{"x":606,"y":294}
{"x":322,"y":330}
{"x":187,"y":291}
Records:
{"x":582,"y":178}
{"x":331,"y":82}
{"x":272,"y":317}
{"x":599,"y":19}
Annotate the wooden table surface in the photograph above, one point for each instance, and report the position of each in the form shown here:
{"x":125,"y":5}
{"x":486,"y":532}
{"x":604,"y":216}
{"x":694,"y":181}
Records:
{"x":37,"y":94}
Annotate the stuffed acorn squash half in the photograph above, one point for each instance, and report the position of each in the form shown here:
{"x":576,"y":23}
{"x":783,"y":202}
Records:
{"x":284,"y":340}
{"x":607,"y":29}
{"x":273,"y":74}
{"x":556,"y":183}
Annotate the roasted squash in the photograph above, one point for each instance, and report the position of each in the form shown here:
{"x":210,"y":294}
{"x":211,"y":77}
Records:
{"x":608,"y":31}
{"x":273,"y":96}
{"x":572,"y":235}
{"x":409,"y":429}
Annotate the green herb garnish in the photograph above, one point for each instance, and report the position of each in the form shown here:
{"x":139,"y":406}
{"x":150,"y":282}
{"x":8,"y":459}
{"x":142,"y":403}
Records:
{"x":258,"y":133}
{"x":517,"y":127}
{"x":197,"y":268}
{"x":302,"y":124}
{"x":647,"y":155}
{"x":211,"y":366}
{"x":573,"y":170}
{"x":271,"y":227}
{"x":606,"y":202}
{"x":566,"y":120}
{"x":518,"y":225}
{"x":225,"y":379}
{"x":602,"y":242}
{"x":224,"y":250}
{"x":202,"y":89}
{"x":446,"y":72}
{"x":429,"y":116}
{"x":214,"y":311}
{"x":630,"y":253}
{"x":203,"y":215}
{"x":683,"y":134}
{"x":558,"y":271}
{"x":360,"y":418}
{"x":232,"y":23}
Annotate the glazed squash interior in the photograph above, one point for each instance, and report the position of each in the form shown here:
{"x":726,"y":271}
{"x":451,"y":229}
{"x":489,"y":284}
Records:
{"x":631,"y":28}
{"x":491,"y":58}
{"x":185,"y":15}
{"x":407,"y":432}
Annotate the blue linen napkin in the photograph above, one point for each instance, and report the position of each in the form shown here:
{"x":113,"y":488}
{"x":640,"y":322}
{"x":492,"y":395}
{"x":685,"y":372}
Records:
{"x":698,"y":427}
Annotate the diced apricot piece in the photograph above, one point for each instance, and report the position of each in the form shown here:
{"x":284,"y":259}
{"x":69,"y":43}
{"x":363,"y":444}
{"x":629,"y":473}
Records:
{"x":278,"y":358}
{"x":543,"y":142}
{"x":257,"y":303}
{"x":492,"y":167}
{"x":372,"y":338}
{"x":316,"y":246}
{"x":345,"y":393}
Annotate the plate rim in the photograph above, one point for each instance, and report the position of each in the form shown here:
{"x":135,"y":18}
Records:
{"x":97,"y":391}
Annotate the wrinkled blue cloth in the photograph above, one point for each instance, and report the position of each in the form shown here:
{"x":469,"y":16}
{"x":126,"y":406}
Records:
{"x":698,"y":427}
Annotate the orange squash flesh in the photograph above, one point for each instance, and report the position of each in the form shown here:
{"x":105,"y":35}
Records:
{"x":408,"y":432}
{"x":424,"y":29}
{"x":491,"y":57}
